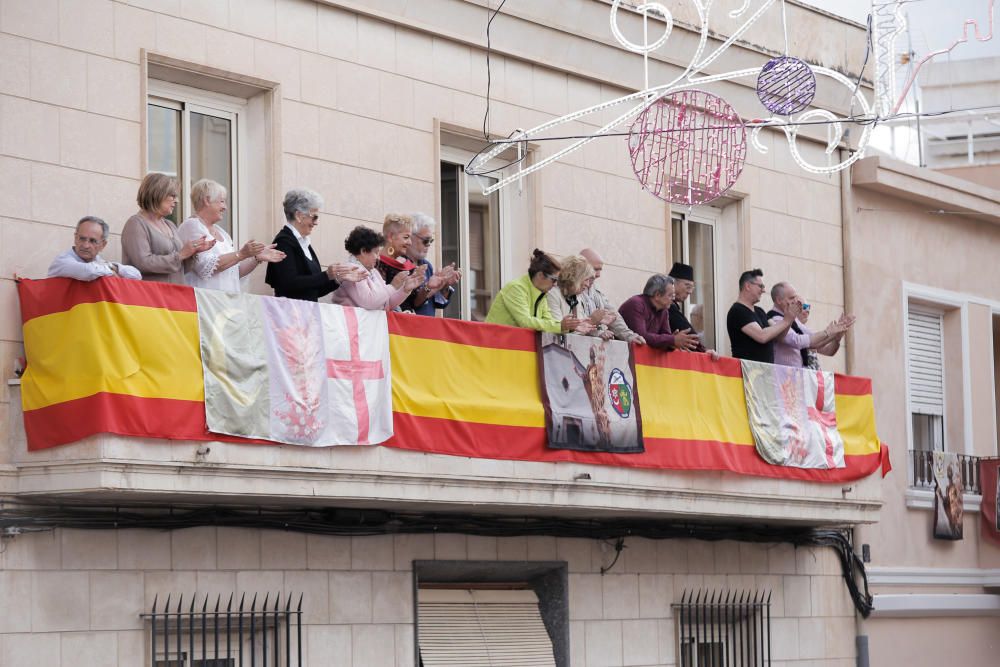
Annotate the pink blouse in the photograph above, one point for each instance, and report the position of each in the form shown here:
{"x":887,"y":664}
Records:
{"x":371,"y":293}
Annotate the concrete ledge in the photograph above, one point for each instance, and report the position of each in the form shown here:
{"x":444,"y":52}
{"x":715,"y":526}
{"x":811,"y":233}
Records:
{"x":935,"y":605}
{"x":932,"y":576}
{"x":925,"y":186}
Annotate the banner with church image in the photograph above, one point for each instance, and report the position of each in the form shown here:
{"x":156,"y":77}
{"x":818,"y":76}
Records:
{"x":589,"y":394}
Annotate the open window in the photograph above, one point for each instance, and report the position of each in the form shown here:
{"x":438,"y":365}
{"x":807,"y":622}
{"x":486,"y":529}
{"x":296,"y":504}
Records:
{"x":694,"y":241}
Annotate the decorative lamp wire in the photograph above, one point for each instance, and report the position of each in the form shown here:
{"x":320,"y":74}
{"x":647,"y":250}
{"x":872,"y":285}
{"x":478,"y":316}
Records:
{"x":688,"y":147}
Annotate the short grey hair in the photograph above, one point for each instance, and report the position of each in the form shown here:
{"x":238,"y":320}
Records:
{"x":301,"y":200}
{"x":778,"y":291}
{"x":421,"y":220}
{"x":657,"y":284}
{"x":97,"y":221}
{"x":206,"y":189}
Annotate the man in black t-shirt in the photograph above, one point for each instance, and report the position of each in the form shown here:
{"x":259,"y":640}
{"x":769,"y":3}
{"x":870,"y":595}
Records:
{"x":749,"y":333}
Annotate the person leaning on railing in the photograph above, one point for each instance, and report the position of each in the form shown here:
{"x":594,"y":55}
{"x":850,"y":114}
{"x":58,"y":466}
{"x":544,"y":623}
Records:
{"x":575,"y":276}
{"x":150,"y":241}
{"x":521,"y":302}
{"x":300,"y":275}
{"x":221,"y":266}
{"x":83,"y":261}
{"x":372,"y":292}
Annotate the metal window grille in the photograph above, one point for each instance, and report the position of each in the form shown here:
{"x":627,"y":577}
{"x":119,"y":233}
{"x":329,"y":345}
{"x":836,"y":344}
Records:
{"x":922,"y":470}
{"x":245,"y":636}
{"x":724,"y":629}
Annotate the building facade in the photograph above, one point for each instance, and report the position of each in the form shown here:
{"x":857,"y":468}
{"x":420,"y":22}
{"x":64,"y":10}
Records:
{"x":379,"y":105}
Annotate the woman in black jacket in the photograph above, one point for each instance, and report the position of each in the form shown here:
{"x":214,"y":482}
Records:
{"x":300,"y":275}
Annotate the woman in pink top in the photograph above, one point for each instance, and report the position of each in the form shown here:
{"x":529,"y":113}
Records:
{"x":372,"y":293}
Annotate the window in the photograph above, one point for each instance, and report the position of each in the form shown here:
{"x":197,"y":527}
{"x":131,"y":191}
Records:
{"x":488,"y":612}
{"x":724,"y":628}
{"x":471,"y":235}
{"x":464,"y":626}
{"x":694,"y":242}
{"x":925,"y":377}
{"x":194,"y":134}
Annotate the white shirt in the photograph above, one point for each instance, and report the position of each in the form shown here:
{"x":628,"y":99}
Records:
{"x":70,"y":265}
{"x":303,"y":240}
{"x":199,"y":269}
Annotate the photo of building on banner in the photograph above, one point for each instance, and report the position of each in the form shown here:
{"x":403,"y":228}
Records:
{"x":948,"y":488}
{"x":589,"y":394}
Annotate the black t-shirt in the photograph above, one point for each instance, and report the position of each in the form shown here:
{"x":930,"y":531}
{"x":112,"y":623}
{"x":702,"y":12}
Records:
{"x":745,"y":347}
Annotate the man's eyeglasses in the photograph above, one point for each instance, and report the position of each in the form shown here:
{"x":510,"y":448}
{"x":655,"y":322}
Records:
{"x":426,"y":240}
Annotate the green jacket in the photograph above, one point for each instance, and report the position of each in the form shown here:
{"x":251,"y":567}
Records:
{"x":521,"y":304}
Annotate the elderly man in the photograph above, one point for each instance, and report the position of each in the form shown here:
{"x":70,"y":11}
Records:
{"x":793,"y":348}
{"x":435,"y":293}
{"x":750,"y":334}
{"x":648,"y":315}
{"x":683,"y":275}
{"x":596,"y":306}
{"x":83,"y":261}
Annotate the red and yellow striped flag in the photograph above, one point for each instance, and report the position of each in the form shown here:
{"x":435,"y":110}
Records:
{"x":122,"y":356}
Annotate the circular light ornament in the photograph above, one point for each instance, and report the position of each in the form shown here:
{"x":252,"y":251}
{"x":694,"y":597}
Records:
{"x":786,"y":85}
{"x":688,"y":147}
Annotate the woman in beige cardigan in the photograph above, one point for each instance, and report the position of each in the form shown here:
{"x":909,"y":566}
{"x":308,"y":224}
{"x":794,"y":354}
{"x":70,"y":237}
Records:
{"x":575,"y":276}
{"x":150,"y":241}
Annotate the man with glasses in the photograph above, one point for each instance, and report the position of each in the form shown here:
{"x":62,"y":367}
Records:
{"x":438,"y":287}
{"x":683,"y":275}
{"x":83,"y":261}
{"x":750,"y":335}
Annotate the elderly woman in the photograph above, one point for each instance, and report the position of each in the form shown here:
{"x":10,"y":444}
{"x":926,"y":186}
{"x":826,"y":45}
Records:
{"x":300,"y":275}
{"x":372,"y":293}
{"x":438,"y":286}
{"x":149,"y":240}
{"x":222,"y":266}
{"x":522,"y":303}
{"x":575,"y":277}
{"x":397,"y":230}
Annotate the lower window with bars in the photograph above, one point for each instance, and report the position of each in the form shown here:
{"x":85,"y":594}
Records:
{"x":235,"y":633}
{"x":724,"y":629}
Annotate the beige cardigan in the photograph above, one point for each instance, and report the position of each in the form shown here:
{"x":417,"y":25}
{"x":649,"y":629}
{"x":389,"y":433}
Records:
{"x":155,"y":255}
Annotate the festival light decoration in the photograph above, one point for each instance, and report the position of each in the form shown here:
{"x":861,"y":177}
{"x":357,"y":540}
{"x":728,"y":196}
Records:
{"x":688,"y":147}
{"x":786,"y":85}
{"x":887,"y":24}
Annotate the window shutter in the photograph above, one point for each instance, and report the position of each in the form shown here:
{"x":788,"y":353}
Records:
{"x":926,"y":362}
{"x":482,"y":628}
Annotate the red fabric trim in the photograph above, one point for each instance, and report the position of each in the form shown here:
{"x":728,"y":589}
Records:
{"x":646,"y":355}
{"x":520,"y":443}
{"x":121,"y":414}
{"x":396,"y":264}
{"x":477,"y":334}
{"x":55,"y":295}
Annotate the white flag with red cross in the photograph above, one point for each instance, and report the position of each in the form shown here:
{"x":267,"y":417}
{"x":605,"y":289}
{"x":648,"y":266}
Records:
{"x":295,"y":372}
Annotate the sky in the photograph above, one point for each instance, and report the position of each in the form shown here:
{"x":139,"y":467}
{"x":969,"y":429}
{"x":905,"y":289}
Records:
{"x":934,"y":24}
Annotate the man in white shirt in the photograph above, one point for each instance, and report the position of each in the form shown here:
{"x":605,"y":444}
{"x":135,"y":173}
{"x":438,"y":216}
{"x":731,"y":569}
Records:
{"x":83,"y":261}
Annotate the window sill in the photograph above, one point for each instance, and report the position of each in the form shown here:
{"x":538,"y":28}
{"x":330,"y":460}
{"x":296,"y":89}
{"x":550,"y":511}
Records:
{"x":923,"y":499}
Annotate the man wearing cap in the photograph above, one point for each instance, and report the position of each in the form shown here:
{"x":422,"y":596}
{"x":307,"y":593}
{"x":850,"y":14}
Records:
{"x":683,"y":275}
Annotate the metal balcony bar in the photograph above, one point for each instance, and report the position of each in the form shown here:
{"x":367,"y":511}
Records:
{"x":922,"y":471}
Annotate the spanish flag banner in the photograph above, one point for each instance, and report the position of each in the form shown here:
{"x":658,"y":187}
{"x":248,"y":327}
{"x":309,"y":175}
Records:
{"x":122,"y":356}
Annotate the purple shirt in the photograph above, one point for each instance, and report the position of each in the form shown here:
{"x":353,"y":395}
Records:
{"x":643,"y":318}
{"x":788,"y":348}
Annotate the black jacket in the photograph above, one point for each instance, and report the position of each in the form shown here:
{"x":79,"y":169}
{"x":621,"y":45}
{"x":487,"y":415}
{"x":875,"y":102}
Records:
{"x":298,"y":276}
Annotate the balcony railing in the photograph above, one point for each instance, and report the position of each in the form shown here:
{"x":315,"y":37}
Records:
{"x":922,"y":471}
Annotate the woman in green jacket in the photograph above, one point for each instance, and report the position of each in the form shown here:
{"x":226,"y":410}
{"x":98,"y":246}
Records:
{"x":521,"y":302}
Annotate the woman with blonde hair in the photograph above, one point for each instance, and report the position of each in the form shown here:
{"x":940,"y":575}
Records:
{"x":149,"y":240}
{"x":522,"y":302}
{"x":222,"y":266}
{"x":372,"y":293}
{"x":574,"y":278}
{"x":397,"y":230}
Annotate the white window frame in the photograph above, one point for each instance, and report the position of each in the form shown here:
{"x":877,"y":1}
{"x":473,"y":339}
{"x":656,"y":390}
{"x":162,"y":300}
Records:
{"x":929,"y":297}
{"x":938,"y":313}
{"x":700,"y":216}
{"x":234,"y":109}
{"x":462,"y":158}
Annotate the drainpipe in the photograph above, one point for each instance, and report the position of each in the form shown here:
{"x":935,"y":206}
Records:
{"x":846,"y":220}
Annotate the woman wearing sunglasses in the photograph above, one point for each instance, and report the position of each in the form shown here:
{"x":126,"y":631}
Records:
{"x":300,"y":275}
{"x":522,"y":303}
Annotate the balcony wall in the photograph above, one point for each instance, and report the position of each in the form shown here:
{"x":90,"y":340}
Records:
{"x":111,"y":468}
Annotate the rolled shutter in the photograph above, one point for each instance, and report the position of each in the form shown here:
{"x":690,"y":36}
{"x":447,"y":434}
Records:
{"x":926,"y":362}
{"x":482,"y":628}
